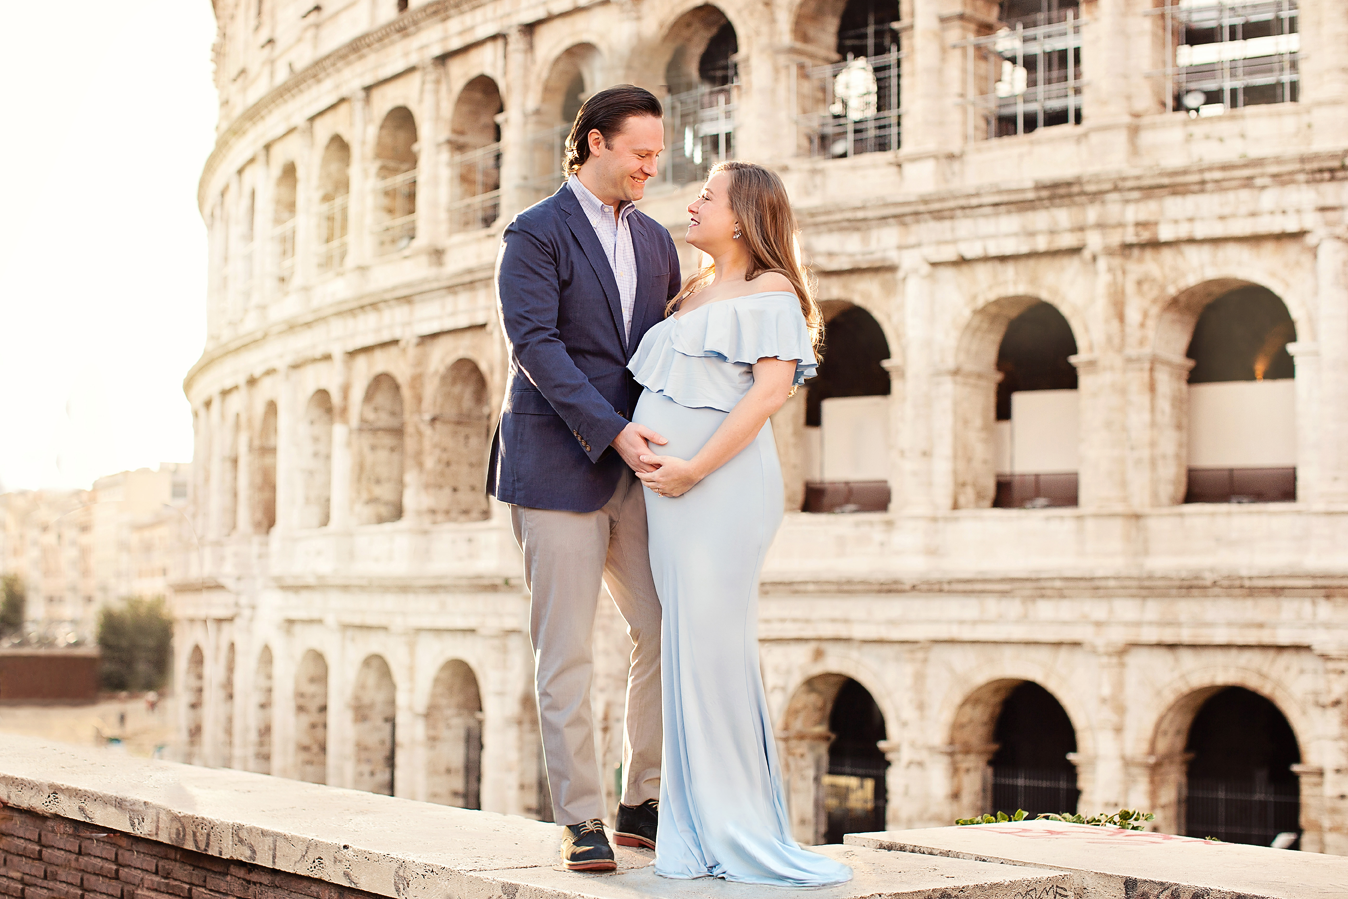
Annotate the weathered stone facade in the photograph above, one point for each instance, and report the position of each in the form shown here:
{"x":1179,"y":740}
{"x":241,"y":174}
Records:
{"x":367,"y":159}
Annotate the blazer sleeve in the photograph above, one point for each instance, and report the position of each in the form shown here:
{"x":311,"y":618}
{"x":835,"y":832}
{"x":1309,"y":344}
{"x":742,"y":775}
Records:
{"x":528,"y":292}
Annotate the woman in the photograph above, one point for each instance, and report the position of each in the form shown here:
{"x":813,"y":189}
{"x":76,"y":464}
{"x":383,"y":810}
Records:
{"x":736,"y":341}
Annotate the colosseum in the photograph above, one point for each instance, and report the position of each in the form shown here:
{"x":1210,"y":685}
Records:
{"x":1068,"y":522}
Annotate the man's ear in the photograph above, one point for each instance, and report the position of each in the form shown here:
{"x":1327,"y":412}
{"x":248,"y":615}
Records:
{"x":596,"y":141}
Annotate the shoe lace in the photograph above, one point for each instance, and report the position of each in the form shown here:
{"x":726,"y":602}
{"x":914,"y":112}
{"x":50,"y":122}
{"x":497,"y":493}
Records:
{"x":594,"y":825}
{"x":653,"y":803}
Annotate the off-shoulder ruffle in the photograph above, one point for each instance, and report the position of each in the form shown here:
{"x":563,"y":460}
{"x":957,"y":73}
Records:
{"x":685,"y":358}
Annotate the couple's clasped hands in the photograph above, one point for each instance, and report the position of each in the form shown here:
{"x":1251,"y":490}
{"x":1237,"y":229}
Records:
{"x":664,"y":475}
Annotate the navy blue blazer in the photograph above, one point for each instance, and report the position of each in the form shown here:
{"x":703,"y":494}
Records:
{"x":568,"y":390}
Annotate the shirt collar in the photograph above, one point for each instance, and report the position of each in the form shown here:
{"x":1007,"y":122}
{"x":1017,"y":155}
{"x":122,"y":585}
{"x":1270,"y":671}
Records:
{"x":594,"y":206}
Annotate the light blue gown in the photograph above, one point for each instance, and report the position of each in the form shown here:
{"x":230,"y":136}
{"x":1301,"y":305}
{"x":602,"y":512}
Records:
{"x":722,"y":803}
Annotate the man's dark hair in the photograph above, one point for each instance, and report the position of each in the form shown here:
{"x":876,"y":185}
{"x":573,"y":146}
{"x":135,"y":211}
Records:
{"x":607,"y":112}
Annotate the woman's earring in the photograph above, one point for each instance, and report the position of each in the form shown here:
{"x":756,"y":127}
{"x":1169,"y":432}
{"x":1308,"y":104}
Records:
{"x":736,"y":235}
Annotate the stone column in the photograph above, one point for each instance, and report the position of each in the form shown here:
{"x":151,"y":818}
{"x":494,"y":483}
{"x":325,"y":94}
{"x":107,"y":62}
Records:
{"x":431,"y":201}
{"x":804,"y":764}
{"x":1103,"y":456}
{"x":215,"y":526}
{"x":339,"y":515}
{"x":243,"y":504}
{"x":1323,"y":28}
{"x":1157,"y":402}
{"x":970,"y":779}
{"x":1166,"y":786}
{"x":289,"y":492}
{"x":1313,"y":434}
{"x":358,"y":212}
{"x":918,"y":442}
{"x":416,"y":433}
{"x":896,"y":430}
{"x":895,"y":784}
{"x":1331,"y":751}
{"x":1331,"y":275}
{"x":409,"y":727}
{"x":794,"y":99}
{"x":1311,"y":782}
{"x":788,"y":431}
{"x":498,"y":769}
{"x":514,"y":130}
{"x":1109,"y":780}
{"x":307,"y":226}
{"x":968,"y":401}
{"x":1108,"y":70}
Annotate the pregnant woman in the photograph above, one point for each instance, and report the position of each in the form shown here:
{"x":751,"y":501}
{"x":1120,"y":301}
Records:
{"x":735,"y":343}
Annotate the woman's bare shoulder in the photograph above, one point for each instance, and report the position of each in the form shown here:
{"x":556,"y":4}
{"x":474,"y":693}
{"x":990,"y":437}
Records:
{"x":772,"y":281}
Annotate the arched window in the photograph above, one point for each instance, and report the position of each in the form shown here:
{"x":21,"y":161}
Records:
{"x":1242,"y":401}
{"x":1231,"y":54}
{"x":262,"y":711}
{"x":847,"y":416}
{"x":316,"y":461}
{"x":568,"y":84}
{"x":373,"y":712}
{"x":1240,"y":786}
{"x":377,"y":469}
{"x":1027,"y":74}
{"x":852,"y":106}
{"x":395,"y":189}
{"x":475,"y":167}
{"x":264,"y":473}
{"x":333,"y":210}
{"x":460,"y":432}
{"x":311,"y":719}
{"x":1030,"y":768}
{"x":832,"y":762}
{"x":703,"y":84}
{"x":454,"y":738}
{"x":283,"y":225}
{"x":1037,"y":415}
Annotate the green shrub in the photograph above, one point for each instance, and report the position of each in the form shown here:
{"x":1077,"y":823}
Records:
{"x":13,"y":598}
{"x":135,"y":640}
{"x":1126,"y":818}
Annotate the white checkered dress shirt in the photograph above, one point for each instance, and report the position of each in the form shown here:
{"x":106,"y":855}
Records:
{"x":616,"y":239}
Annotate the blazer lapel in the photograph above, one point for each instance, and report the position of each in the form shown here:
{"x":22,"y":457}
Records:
{"x":650,"y":299}
{"x":594,"y":254}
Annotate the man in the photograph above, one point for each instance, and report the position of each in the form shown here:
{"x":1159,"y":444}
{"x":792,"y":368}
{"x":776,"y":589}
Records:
{"x":580,"y":278}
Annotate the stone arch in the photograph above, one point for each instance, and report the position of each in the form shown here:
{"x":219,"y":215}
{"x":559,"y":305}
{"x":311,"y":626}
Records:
{"x":1173,"y":757}
{"x":194,"y":695}
{"x":475,"y":155}
{"x":975,"y":377}
{"x":377,"y":466}
{"x":264,"y":472}
{"x":831,"y":741}
{"x":373,"y":713}
{"x":311,"y":718}
{"x":334,"y":188}
{"x":316,"y":462}
{"x":460,"y":434}
{"x":454,"y":737}
{"x":975,"y":748}
{"x":395,"y":188}
{"x":1203,"y":454}
{"x":262,"y":711}
{"x":227,"y":708}
{"x":572,"y":76}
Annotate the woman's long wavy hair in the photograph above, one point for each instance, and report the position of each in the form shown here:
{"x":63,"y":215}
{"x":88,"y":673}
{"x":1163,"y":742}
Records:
{"x":769,"y":231}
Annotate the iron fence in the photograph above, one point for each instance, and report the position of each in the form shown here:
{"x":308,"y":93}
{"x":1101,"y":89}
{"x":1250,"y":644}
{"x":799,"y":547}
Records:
{"x":853,"y":107}
{"x":1036,"y":790}
{"x":475,"y":180}
{"x":1253,"y":811}
{"x":701,"y":126}
{"x":396,"y":199}
{"x":334,"y":215}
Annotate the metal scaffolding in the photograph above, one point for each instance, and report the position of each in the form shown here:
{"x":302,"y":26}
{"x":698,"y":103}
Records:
{"x":701,"y":130}
{"x":1022,"y":79}
{"x":396,"y":199}
{"x":475,"y":179}
{"x":853,"y":106}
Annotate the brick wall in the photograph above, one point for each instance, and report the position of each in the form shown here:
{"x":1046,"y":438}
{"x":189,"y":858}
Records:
{"x":56,"y":858}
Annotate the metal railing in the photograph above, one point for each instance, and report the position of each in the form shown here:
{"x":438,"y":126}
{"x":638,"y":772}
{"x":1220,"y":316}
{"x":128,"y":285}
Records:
{"x":1022,"y":79}
{"x":332,"y":252}
{"x":1227,"y":54}
{"x":701,"y":126}
{"x":1252,"y":811}
{"x":396,"y":201}
{"x":475,"y":185}
{"x":853,"y":107}
{"x":1036,"y":790}
{"x":547,"y":156}
{"x":283,"y":249}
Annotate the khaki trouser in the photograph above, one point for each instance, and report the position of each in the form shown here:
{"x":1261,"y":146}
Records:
{"x":567,"y":556}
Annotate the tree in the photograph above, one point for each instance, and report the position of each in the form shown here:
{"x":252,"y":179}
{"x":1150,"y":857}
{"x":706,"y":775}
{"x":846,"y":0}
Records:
{"x":135,"y":639}
{"x":15,"y":597}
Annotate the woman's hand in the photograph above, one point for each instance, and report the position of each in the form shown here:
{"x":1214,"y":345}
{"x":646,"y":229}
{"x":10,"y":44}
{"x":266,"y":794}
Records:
{"x":672,"y":476}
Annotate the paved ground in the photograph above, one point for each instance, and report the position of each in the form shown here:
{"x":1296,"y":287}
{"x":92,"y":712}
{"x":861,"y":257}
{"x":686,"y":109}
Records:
{"x":141,"y":731}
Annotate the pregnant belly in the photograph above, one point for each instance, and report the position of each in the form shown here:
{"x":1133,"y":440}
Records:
{"x":687,"y":430}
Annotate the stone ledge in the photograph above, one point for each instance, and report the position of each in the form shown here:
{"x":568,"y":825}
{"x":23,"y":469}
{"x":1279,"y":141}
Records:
{"x":1109,"y":863}
{"x":412,"y":850}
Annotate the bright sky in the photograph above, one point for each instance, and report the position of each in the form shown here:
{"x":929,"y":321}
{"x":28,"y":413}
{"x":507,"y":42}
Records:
{"x":109,"y":114}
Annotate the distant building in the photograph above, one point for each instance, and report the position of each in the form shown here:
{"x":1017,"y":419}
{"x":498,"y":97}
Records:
{"x":1069,"y":499}
{"x":77,"y":550}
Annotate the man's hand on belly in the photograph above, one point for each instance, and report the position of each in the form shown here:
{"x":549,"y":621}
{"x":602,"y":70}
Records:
{"x":633,"y":442}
